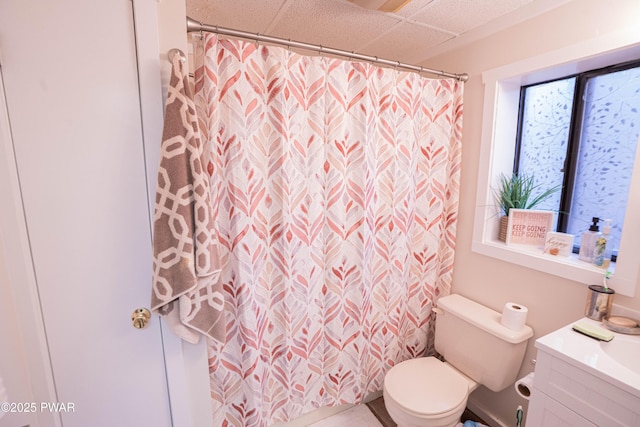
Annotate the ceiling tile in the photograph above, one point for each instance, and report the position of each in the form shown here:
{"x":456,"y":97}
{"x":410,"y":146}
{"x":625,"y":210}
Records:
{"x":413,"y":7}
{"x":246,"y":15}
{"x":331,"y":23}
{"x":459,"y":16}
{"x":409,"y":41}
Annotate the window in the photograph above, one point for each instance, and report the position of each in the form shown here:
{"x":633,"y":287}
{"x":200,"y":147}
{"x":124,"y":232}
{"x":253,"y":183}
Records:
{"x":580,"y":133}
{"x":502,"y":96}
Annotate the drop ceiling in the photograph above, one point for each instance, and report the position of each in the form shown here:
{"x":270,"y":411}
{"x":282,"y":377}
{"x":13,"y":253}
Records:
{"x":418,"y":31}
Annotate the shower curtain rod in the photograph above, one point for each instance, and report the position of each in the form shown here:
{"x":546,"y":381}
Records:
{"x":195,"y":26}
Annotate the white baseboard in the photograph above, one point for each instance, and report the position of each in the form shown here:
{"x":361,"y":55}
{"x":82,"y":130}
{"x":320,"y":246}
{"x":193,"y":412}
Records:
{"x":487,"y":416}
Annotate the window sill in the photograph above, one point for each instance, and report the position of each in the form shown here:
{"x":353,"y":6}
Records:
{"x":532,"y":257}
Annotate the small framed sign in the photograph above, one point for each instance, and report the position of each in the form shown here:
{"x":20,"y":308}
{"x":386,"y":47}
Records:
{"x":529,"y":227}
{"x":560,"y":244}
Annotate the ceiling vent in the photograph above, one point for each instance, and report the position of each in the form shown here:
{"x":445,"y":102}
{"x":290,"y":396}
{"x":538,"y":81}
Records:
{"x":381,"y":5}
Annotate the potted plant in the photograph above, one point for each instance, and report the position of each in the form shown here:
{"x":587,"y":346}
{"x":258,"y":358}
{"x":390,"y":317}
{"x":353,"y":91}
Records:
{"x":518,"y":191}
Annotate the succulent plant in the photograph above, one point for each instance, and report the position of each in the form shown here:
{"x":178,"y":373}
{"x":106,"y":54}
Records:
{"x":519,"y":191}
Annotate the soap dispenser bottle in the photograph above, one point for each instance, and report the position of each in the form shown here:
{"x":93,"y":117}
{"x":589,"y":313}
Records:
{"x":588,"y":241}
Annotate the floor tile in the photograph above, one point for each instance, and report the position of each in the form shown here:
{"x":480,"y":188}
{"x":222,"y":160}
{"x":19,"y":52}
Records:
{"x":358,"y":416}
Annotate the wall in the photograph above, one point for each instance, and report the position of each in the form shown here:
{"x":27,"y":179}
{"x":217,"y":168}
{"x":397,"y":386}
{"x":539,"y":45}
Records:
{"x":553,"y":302}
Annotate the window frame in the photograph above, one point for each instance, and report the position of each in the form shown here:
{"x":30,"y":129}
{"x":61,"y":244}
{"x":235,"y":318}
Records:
{"x":574,"y":135}
{"x":497,"y":155}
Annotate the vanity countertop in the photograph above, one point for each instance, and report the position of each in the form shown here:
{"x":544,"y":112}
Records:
{"x":616,"y":361}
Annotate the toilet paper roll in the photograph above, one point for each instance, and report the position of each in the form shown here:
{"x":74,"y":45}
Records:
{"x":514,"y":316}
{"x":524,"y":386}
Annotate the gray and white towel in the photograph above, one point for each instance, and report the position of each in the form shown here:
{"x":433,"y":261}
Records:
{"x":186,"y":288}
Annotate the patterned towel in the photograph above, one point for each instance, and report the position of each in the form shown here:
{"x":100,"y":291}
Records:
{"x":186,"y":271}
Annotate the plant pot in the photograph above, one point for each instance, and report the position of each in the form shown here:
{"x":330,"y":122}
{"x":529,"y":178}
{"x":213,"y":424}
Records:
{"x":504,"y":222}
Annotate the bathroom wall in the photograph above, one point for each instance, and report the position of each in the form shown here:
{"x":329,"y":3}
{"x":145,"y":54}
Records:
{"x":553,"y":302}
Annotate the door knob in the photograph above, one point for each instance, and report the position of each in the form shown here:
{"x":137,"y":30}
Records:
{"x":140,"y":318}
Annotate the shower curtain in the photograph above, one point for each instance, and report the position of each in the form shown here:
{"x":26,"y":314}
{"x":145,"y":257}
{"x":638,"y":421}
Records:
{"x":335,"y":187}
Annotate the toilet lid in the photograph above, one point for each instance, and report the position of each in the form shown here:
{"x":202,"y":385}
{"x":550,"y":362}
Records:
{"x":426,"y":386}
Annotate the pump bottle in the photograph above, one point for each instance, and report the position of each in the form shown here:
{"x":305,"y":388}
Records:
{"x":588,"y":242}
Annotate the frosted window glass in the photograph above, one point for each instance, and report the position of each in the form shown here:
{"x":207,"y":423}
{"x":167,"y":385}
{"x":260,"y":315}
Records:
{"x":546,"y":121}
{"x":608,"y":143}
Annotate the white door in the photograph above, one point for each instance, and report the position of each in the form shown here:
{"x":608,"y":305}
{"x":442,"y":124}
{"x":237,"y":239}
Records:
{"x":71,"y":87}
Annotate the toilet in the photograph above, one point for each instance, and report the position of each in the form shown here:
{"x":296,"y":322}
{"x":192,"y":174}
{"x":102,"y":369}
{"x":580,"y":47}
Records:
{"x":477,"y":349}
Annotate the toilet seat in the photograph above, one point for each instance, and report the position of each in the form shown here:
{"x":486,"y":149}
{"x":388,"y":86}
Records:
{"x":426,"y":387}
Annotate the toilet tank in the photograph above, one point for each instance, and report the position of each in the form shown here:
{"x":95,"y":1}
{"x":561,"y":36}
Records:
{"x":471,"y":338}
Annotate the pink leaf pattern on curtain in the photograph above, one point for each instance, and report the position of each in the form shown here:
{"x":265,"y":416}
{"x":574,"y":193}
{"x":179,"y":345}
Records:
{"x":335,"y":188}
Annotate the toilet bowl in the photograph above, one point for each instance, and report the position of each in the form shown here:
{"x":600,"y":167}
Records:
{"x":477,"y":349}
{"x":426,"y":392}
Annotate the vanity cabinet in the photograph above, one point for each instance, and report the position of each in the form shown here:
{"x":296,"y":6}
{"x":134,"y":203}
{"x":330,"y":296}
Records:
{"x":560,"y":395}
{"x":544,"y":411}
{"x":571,"y":389}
